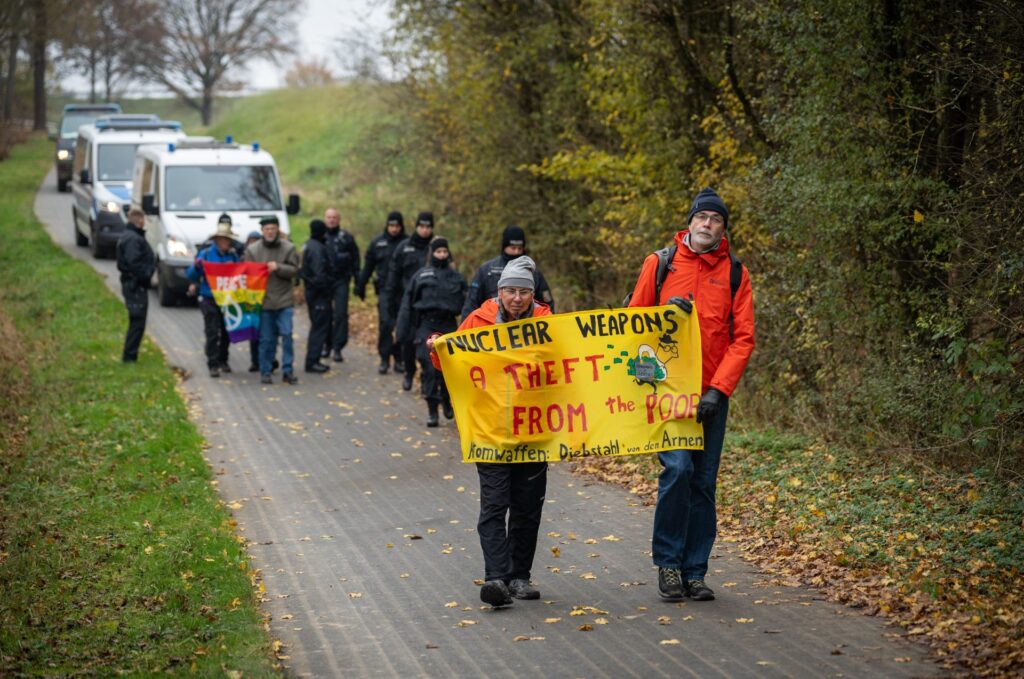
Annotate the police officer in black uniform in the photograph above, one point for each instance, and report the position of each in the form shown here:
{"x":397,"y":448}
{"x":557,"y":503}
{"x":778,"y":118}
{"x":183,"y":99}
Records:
{"x":408,"y":258}
{"x":431,"y":304}
{"x":377,"y":259}
{"x":485,"y":283}
{"x":136,"y":262}
{"x":318,"y":275}
{"x":345,"y":264}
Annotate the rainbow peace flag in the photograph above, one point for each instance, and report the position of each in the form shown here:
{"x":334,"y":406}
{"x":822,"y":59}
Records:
{"x":238,"y":290}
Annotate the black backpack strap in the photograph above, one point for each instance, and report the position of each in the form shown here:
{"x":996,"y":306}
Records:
{"x":665,"y":257}
{"x":735,"y":278}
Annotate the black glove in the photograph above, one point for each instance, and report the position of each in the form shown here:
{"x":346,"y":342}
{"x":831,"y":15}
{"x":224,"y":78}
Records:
{"x":710,"y":404}
{"x":683,"y":303}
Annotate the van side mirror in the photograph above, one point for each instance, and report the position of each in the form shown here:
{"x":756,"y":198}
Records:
{"x":149,"y":205}
{"x":293,"y":204}
{"x":83,"y":176}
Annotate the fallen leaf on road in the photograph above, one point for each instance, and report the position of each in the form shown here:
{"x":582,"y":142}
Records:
{"x":585,"y":627}
{"x":287,"y":616}
{"x":431,"y":645}
{"x":552,"y":620}
{"x":523,"y":637}
{"x":744,"y":620}
{"x":431,"y":531}
{"x":460,"y":489}
{"x":404,"y":575}
{"x":556,"y":552}
{"x":764,"y":663}
{"x":589,"y":576}
{"x":689,"y":617}
{"x":611,"y":538}
{"x":600,"y":621}
{"x":412,"y":536}
{"x":664,"y":620}
{"x":728,"y":584}
{"x":355,"y":595}
{"x":553,"y":534}
{"x":466,"y":623}
{"x":669,"y":642}
{"x":590,"y":541}
{"x":451,"y":604}
{"x":902,"y":659}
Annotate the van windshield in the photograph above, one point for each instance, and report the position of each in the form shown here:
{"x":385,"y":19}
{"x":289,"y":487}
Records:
{"x":72,"y":121}
{"x":116,"y":162}
{"x":221,"y":188}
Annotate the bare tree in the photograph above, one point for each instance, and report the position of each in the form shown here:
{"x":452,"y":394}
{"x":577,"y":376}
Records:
{"x":12,"y":28}
{"x":203,"y":40}
{"x":312,"y":73}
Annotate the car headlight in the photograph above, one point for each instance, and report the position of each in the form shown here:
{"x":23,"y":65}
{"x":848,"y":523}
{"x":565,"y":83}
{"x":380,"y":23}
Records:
{"x":110,"y":206}
{"x":63,"y":154}
{"x":177,"y":248}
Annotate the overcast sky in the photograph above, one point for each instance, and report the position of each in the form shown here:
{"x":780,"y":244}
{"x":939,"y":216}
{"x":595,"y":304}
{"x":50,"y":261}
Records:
{"x":322,"y":22}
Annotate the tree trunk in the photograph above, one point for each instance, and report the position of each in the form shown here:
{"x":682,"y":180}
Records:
{"x":92,"y":75}
{"x":207,"y":111}
{"x":39,"y":67}
{"x":12,"y":65}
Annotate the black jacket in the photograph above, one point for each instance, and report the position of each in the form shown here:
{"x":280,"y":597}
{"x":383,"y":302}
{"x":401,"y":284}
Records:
{"x":485,"y":285}
{"x":377,"y":260}
{"x":317,"y":270}
{"x":344,"y":254}
{"x":135,"y":259}
{"x":409,"y":257}
{"x":431,"y":302}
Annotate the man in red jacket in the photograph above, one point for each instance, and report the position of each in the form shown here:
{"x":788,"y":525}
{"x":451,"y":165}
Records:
{"x":699,"y":276}
{"x":515,"y":491}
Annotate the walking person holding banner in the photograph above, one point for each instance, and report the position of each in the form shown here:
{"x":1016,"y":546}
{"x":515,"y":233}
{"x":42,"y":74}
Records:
{"x":698,"y":271}
{"x":221,"y":250}
{"x":515,"y":491}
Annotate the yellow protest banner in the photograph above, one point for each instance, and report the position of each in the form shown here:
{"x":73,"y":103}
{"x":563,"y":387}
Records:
{"x":568,"y":386}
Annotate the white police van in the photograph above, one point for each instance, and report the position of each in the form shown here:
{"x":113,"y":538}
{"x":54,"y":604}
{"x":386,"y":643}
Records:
{"x":102,"y":174}
{"x":184,"y":187}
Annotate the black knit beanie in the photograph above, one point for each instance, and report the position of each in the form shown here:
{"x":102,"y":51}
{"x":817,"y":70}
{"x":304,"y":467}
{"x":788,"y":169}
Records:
{"x":707,"y":199}
{"x":439,"y":242}
{"x":513,"y":235}
{"x":425,"y":218}
{"x":318,"y":229}
{"x":395,"y":218}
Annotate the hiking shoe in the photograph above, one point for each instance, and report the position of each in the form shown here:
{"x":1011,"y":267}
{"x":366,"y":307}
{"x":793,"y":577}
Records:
{"x":407,"y":383}
{"x":338,"y":358}
{"x":214,"y":371}
{"x":266,"y":379}
{"x":254,"y":368}
{"x":399,"y":367}
{"x":446,"y":408}
{"x":698,"y":591}
{"x":290,"y":378}
{"x":495,"y":593}
{"x":317,"y":368}
{"x":225,"y":368}
{"x":522,"y":589}
{"x":382,"y":368}
{"x":670,"y":583}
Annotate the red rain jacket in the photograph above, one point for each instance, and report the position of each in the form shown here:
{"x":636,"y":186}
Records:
{"x":706,"y":278}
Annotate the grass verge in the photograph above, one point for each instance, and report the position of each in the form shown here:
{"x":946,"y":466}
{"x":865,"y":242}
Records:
{"x":115,"y":554}
{"x":937,"y":553}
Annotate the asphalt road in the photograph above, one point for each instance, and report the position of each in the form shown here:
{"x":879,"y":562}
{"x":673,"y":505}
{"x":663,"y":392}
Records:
{"x":363,"y":523}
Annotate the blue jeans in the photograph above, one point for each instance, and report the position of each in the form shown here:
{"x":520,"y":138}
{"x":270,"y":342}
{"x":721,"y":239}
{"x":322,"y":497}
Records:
{"x":685,"y":521}
{"x":274,"y":324}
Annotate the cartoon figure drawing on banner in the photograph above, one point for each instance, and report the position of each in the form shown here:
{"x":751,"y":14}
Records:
{"x":646,"y":368}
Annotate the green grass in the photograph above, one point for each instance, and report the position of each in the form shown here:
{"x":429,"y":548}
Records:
{"x":115,"y":554}
{"x":333,"y":145}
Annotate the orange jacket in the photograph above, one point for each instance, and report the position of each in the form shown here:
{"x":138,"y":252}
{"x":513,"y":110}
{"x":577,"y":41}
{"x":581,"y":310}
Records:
{"x":705,"y":277}
{"x":487,"y":314}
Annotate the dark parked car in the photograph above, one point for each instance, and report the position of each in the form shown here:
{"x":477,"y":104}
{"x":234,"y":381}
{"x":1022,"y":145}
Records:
{"x":75,"y":115}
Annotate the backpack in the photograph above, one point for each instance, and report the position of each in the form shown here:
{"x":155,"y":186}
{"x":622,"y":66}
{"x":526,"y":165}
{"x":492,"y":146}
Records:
{"x":665,"y":257}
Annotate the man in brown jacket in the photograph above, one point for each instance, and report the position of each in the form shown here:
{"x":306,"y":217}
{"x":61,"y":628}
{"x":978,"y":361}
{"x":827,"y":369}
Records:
{"x":282,"y":260}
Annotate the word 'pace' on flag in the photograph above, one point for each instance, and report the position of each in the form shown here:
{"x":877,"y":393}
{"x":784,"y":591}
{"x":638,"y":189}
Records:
{"x":569,"y":386}
{"x":238,"y":290}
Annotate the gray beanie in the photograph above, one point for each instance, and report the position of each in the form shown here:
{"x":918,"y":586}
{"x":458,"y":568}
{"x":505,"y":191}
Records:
{"x":518,"y":274}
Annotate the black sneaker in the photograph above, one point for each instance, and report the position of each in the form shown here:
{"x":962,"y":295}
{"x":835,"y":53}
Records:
{"x":254,"y":367}
{"x":317,"y":368}
{"x":399,"y":368}
{"x":698,"y":591}
{"x":407,"y":383}
{"x":214,"y":371}
{"x":522,"y":589}
{"x":382,"y":368}
{"x":225,"y":368}
{"x":338,"y":358}
{"x":290,"y":378}
{"x":432,"y":420}
{"x":446,"y":408}
{"x":670,"y":584}
{"x":266,"y":379}
{"x":495,"y":593}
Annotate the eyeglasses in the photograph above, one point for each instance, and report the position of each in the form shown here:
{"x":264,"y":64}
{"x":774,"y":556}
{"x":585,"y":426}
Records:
{"x":517,"y":292}
{"x":713,"y":217}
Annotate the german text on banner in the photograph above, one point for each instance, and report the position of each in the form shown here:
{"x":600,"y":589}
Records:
{"x":568,"y":386}
{"x":238,"y":290}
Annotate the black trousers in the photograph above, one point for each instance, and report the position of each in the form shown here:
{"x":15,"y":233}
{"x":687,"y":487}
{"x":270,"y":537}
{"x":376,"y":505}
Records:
{"x":337,"y":330}
{"x":407,"y":352}
{"x":386,"y":346}
{"x":136,"y":300}
{"x":319,"y":305}
{"x":518,"y":491}
{"x":432,"y":386}
{"x":217,"y":341}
